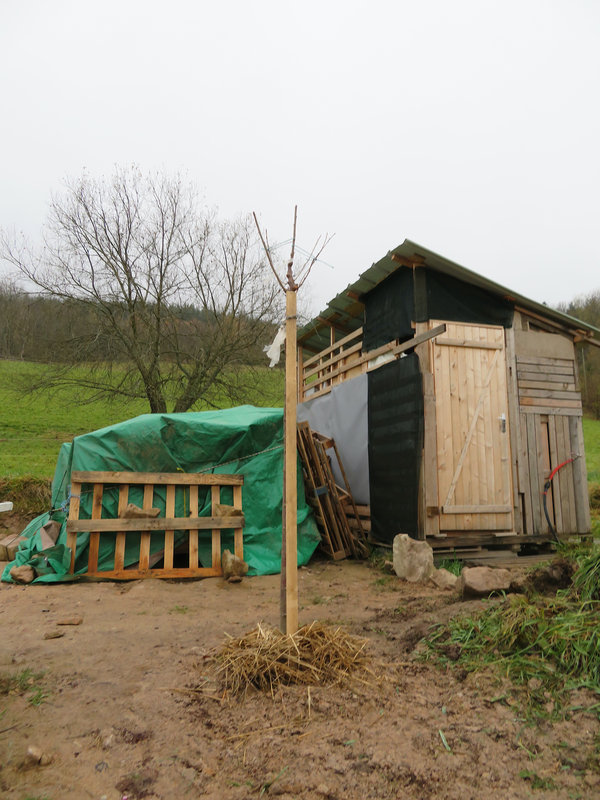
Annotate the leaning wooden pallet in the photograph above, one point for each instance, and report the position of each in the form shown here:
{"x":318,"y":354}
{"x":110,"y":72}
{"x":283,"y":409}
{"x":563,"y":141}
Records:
{"x":146,"y":522}
{"x":332,"y":504}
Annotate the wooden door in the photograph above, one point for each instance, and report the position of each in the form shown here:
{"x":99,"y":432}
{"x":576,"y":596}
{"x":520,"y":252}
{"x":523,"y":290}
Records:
{"x":473,"y":444}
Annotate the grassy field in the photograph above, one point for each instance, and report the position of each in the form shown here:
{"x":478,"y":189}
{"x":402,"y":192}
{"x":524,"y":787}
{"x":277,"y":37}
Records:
{"x":32,"y":428}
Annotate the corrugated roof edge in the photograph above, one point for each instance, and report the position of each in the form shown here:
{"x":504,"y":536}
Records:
{"x":411,"y":251}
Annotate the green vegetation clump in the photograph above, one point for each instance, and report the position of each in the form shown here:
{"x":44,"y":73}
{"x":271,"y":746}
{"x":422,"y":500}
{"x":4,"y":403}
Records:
{"x":26,"y":683}
{"x":30,"y":495}
{"x":549,"y":646}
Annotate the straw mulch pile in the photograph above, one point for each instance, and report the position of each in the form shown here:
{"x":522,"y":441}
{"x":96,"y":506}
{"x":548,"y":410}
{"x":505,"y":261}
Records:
{"x":265,"y":658}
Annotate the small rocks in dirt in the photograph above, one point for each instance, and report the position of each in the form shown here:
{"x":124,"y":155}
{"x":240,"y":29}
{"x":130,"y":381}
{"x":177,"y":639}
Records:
{"x":35,"y":757}
{"x":107,"y":739}
{"x":70,"y":621}
{"x":413,"y":559}
{"x":234,"y":568}
{"x":482,"y":581}
{"x":444,"y":579}
{"x":54,"y":634}
{"x":22,"y":574}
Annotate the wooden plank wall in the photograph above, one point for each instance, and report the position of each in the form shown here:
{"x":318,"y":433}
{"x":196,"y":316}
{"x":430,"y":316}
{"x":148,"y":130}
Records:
{"x":550,"y":431}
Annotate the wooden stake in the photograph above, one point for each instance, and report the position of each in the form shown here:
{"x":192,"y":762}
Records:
{"x":289,"y":615}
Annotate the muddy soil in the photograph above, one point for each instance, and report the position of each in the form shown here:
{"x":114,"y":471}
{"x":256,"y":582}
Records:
{"x":128,"y":706}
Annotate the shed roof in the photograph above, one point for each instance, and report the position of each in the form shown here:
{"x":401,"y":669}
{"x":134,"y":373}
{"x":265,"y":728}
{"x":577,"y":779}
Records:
{"x":345,"y":311}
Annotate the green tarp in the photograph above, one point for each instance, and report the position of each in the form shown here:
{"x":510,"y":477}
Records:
{"x":246,"y":440}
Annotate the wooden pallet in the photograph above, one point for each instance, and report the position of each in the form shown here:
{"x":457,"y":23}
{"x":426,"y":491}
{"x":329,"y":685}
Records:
{"x":338,"y":518}
{"x":100,"y":527}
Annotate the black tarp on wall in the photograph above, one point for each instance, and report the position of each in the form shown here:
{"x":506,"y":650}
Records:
{"x":395,"y":415}
{"x":457,"y":301}
{"x":404,"y":298}
{"x":389,"y":310}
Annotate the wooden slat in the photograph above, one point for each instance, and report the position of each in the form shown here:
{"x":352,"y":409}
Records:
{"x":176,"y":572}
{"x":554,"y":394}
{"x":74,"y":505}
{"x":514,"y":428}
{"x":568,"y":476}
{"x":238,"y":533}
{"x":558,"y":411}
{"x":215,"y":498}
{"x":477,"y":509}
{"x":144,"y":563}
{"x":535,"y":481}
{"x":557,"y":383}
{"x":477,"y":344}
{"x":548,"y":402}
{"x":193,"y":534}
{"x":331,"y":361}
{"x":121,"y":537}
{"x":556,"y":484}
{"x":580,"y":487}
{"x":95,"y":537}
{"x":421,"y":337}
{"x":170,"y":533}
{"x":354,"y":335}
{"x":548,"y":362}
{"x":157,"y":478}
{"x":155,"y":524}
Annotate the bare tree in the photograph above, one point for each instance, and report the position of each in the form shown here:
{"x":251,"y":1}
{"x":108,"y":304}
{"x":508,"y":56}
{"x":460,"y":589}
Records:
{"x":178,"y":299}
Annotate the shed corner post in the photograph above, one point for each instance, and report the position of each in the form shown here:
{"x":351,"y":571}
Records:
{"x":429,"y":520}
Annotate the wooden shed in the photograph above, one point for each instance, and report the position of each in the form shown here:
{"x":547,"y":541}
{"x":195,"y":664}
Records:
{"x":452,"y":400}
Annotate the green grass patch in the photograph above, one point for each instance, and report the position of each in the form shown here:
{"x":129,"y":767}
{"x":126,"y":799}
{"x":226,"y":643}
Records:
{"x":26,"y":683}
{"x":33,"y":426}
{"x":546,"y":646}
{"x":453,"y":565}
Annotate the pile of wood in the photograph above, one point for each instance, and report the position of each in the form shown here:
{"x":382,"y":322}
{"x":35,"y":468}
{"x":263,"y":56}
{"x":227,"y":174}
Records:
{"x":338,"y":517}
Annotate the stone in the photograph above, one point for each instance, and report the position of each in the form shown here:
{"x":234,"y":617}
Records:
{"x":482,"y":581}
{"x":413,"y":559}
{"x":70,"y":621}
{"x":54,"y":635}
{"x":22,"y":574}
{"x":223,"y":510}
{"x":444,"y":579}
{"x":35,"y":756}
{"x":233,"y":566}
{"x":49,"y":534}
{"x":131,"y":511}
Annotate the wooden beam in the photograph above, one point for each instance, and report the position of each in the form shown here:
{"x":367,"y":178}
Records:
{"x":290,"y":613}
{"x":163,"y":478}
{"x":153,"y":524}
{"x":415,"y":261}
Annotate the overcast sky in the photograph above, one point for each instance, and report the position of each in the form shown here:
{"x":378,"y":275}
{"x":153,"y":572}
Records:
{"x":469,"y":126}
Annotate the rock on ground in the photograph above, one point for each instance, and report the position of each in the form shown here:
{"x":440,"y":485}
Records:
{"x":481,"y":581}
{"x":413,"y":559}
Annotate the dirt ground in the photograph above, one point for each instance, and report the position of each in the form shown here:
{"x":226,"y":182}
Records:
{"x":127,"y":706}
